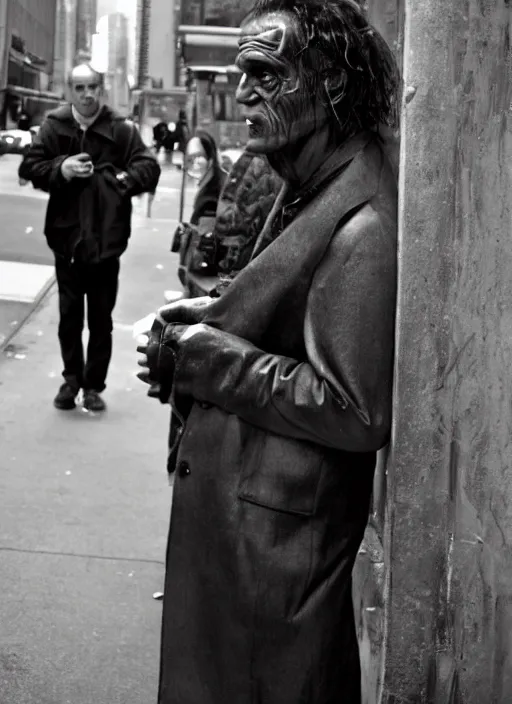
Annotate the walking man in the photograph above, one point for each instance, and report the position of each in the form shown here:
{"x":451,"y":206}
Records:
{"x":281,"y":388}
{"x":91,"y":161}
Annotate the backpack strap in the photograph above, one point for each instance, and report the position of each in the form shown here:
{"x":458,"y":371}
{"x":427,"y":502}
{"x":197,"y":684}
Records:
{"x":123,"y":138}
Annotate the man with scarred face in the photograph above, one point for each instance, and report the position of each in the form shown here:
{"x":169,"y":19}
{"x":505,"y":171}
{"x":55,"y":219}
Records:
{"x":282,"y":107}
{"x":281,"y":387}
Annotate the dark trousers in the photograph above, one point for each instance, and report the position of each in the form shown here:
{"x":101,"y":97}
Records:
{"x":98,"y":284}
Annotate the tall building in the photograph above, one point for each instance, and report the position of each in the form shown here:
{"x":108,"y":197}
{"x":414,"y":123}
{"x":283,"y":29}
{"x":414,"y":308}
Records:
{"x":65,"y":43}
{"x":85,"y":28}
{"x":161,"y":48}
{"x":156,"y":39}
{"x":117,"y":73}
{"x":27,"y":56}
{"x":142,"y":42}
{"x":27,"y":44}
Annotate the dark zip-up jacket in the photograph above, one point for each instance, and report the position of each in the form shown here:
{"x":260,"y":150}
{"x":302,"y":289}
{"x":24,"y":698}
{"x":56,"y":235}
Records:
{"x":94,"y":213}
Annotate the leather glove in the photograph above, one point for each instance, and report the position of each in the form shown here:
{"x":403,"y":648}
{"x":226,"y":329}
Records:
{"x":187,"y":310}
{"x":159,"y":360}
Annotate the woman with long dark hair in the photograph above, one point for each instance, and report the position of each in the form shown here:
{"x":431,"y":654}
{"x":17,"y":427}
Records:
{"x":211,"y":183}
{"x":194,"y":241}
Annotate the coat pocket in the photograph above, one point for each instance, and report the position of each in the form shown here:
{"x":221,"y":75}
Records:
{"x":281,"y":473}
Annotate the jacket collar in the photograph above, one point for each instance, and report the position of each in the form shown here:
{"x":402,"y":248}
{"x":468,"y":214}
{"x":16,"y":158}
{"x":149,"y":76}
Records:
{"x":101,"y":126}
{"x":334,"y":164}
{"x":85,"y":122}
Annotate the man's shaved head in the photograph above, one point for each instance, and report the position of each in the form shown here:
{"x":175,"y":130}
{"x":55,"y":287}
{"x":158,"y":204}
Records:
{"x":84,"y":72}
{"x":86,"y":88}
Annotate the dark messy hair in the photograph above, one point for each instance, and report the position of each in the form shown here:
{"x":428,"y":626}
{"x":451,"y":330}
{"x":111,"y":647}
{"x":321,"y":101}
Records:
{"x":211,"y":185}
{"x":344,"y":56}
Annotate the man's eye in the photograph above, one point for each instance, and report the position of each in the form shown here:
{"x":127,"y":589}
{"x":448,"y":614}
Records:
{"x":267,"y":79}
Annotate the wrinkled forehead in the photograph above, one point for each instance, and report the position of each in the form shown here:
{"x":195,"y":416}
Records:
{"x":271,"y":36}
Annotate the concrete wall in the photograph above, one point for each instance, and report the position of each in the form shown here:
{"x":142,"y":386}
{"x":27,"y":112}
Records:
{"x":449,"y":613}
{"x":434,"y":581}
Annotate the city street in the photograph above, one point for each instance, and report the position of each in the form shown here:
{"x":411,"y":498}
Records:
{"x":85,"y":498}
{"x":26,"y":263}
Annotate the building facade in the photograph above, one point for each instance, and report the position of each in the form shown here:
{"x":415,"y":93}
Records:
{"x":161,"y":42}
{"x":142,"y":42}
{"x":117,"y":73}
{"x":29,"y":43}
{"x":27,"y":49}
{"x":216,"y":13}
{"x":65,"y":43}
{"x":85,"y":28}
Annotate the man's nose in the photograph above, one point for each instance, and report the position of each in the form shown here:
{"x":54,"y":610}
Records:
{"x":245,"y":92}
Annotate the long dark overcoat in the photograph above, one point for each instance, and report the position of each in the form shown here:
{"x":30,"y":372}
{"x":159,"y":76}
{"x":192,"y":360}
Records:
{"x":291,"y":376}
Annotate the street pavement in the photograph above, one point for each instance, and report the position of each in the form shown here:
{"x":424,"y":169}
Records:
{"x":84,"y":498}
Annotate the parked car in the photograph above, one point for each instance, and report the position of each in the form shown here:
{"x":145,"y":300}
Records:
{"x":16,"y":141}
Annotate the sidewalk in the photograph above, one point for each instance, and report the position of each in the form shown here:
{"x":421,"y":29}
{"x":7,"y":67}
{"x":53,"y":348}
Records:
{"x":85,"y":509}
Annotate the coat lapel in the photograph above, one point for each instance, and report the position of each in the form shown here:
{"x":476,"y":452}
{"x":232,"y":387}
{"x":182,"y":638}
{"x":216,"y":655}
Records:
{"x":289,"y":262}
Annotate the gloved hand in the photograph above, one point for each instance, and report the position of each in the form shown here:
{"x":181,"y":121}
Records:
{"x":187,"y":310}
{"x":159,"y":358}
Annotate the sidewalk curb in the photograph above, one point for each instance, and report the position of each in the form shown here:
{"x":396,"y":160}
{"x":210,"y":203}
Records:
{"x":34,"y":307}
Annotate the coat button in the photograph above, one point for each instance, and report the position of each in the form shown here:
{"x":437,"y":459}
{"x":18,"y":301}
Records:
{"x":183,"y":469}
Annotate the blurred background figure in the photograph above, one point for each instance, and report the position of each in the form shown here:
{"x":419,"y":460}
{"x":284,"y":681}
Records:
{"x":24,"y":121}
{"x":160,"y":136}
{"x":176,"y":139}
{"x":194,"y":240}
{"x":203,"y":155}
{"x":182,"y":133}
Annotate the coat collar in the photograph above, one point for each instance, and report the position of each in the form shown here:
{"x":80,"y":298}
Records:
{"x":334,"y":164}
{"x":102,"y":125}
{"x":288,"y":263}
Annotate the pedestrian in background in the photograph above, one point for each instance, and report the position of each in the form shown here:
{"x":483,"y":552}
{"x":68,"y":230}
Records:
{"x":179,"y":137}
{"x":91,"y":161}
{"x":194,"y":240}
{"x":160,"y":132}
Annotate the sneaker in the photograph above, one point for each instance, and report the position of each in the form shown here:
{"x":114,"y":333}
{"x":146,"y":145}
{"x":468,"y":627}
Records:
{"x":93,"y":401}
{"x":65,"y":399}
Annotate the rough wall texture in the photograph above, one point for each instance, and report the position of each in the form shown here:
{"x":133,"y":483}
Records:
{"x":449,"y":495}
